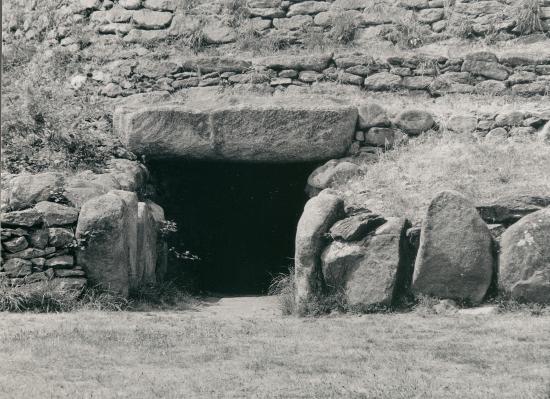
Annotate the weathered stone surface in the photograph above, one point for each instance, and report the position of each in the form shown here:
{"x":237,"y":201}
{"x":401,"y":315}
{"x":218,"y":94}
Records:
{"x":147,"y":19}
{"x":25,"y":190}
{"x":215,"y":64}
{"x":310,"y":76}
{"x":157,"y":213}
{"x":383,"y":81}
{"x":293,"y":23}
{"x":39,"y":238}
{"x":30,"y":253}
{"x":430,"y":15}
{"x":26,"y":218}
{"x":372,"y":115}
{"x":56,"y":214}
{"x":130,"y":4}
{"x":69,"y":273}
{"x":17,"y":267}
{"x":514,"y":118}
{"x":319,"y":215}
{"x":130,"y":234}
{"x":147,"y":242}
{"x":462,"y":123}
{"x":510,"y":209}
{"x":216,"y":32}
{"x":485,"y":64}
{"x":455,"y":258}
{"x":383,"y":137}
{"x":271,"y":12}
{"x":273,"y":130}
{"x":16,"y":244}
{"x":414,"y":122}
{"x":525,"y":258}
{"x":355,"y":227}
{"x":87,"y":185}
{"x":161,"y":5}
{"x":372,"y":271}
{"x":307,"y":8}
{"x":60,"y":262}
{"x":325,"y":175}
{"x":104,"y":259}
{"x":59,"y":237}
{"x":314,"y":62}
{"x":130,"y":175}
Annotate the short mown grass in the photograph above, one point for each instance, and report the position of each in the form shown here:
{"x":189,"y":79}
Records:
{"x":198,"y":355}
{"x":404,"y":180}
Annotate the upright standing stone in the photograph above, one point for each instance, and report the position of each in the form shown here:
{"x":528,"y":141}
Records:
{"x":455,"y":258}
{"x":147,"y":244}
{"x":319,"y":215}
{"x":131,"y":234}
{"x":525,"y":258}
{"x":104,"y":257}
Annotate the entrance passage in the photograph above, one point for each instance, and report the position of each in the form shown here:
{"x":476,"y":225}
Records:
{"x":238,"y":218}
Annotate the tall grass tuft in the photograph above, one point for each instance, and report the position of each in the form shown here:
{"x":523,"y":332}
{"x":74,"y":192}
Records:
{"x":527,"y":15}
{"x":283,"y":286}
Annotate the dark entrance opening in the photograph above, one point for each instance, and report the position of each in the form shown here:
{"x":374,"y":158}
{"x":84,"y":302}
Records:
{"x":238,"y":218}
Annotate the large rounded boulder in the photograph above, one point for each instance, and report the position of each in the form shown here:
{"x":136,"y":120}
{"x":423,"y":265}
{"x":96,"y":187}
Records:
{"x":455,"y":258}
{"x":320,"y":213}
{"x":525,"y":258}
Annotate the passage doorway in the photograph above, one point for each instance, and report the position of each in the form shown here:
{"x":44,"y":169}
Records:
{"x":238,"y":218}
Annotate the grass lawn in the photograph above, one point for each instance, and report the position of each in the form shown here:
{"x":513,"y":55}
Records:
{"x":92,"y":354}
{"x":404,"y":180}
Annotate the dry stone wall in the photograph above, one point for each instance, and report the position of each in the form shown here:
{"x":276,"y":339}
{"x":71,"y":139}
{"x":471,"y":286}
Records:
{"x":480,"y":72}
{"x":138,"y":21}
{"x":62,"y":232}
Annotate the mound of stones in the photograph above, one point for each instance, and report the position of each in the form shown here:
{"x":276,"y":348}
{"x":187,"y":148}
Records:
{"x":375,"y":260}
{"x":65,"y":231}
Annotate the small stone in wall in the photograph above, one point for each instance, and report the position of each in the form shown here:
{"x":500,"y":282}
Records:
{"x":462,"y":123}
{"x":161,"y":5}
{"x":39,"y":238}
{"x":16,"y":244}
{"x":491,"y":87}
{"x":130,"y":4}
{"x":325,"y":175}
{"x":383,"y":137}
{"x":485,"y":64}
{"x":383,"y":81}
{"x":148,"y":19}
{"x":54,"y":214}
{"x":17,"y":267}
{"x":60,"y":237}
{"x":25,"y":218}
{"x":293,"y":23}
{"x":509,"y":209}
{"x":218,"y":33}
{"x":307,"y":8}
{"x":27,"y":189}
{"x":310,"y":76}
{"x":514,"y":118}
{"x":372,"y":115}
{"x":430,"y":15}
{"x":414,"y":122}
